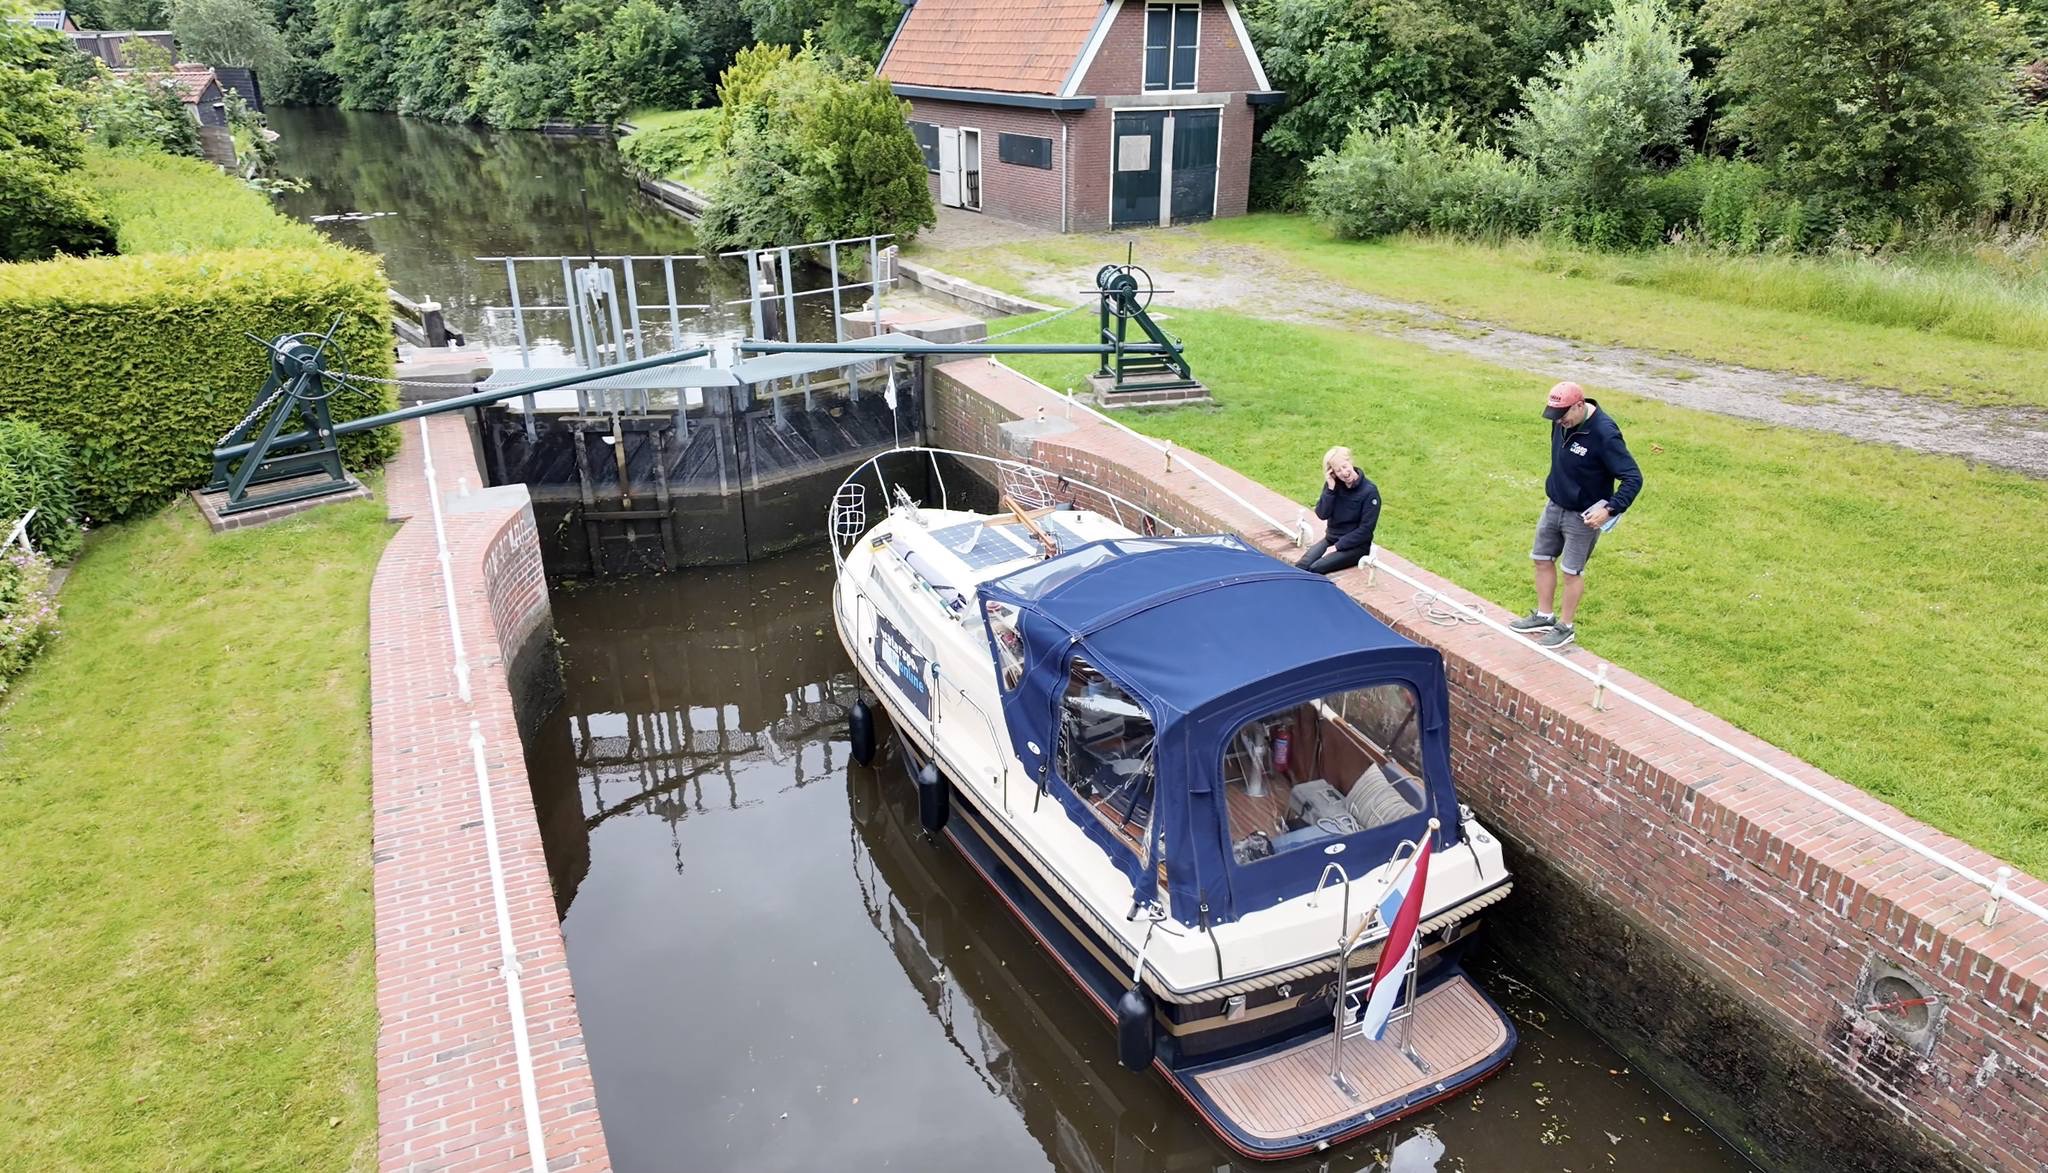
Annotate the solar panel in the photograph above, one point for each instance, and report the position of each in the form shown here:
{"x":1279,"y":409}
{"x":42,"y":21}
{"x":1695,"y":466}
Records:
{"x":985,"y":547}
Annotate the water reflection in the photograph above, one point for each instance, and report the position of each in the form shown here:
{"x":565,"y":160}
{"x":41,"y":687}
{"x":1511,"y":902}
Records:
{"x":777,"y":970}
{"x":460,"y":192}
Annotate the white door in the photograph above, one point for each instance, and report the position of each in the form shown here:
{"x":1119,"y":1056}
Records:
{"x":949,"y":166}
{"x":970,"y":170}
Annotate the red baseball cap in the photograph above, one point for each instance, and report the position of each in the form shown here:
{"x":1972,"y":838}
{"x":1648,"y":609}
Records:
{"x":1563,"y":397}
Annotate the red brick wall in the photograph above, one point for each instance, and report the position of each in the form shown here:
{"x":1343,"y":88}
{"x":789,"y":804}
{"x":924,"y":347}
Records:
{"x":448,"y":1093}
{"x":1032,"y":195}
{"x":1027,"y":194}
{"x":1221,"y":69}
{"x":1769,"y":897}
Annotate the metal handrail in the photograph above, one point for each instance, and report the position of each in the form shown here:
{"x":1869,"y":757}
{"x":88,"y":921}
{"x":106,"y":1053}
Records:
{"x":1997,"y":885}
{"x":839,"y":556}
{"x":994,"y":737}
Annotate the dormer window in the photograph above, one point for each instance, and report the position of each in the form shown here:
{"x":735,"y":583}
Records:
{"x":1172,"y":36}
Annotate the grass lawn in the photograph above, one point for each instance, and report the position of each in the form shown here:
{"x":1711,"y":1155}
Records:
{"x":1972,"y":329}
{"x":1874,"y":611}
{"x":186,"y":972}
{"x":687,"y":149}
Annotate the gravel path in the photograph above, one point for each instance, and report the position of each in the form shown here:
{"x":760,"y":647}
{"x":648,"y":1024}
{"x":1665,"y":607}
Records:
{"x":1239,"y":277}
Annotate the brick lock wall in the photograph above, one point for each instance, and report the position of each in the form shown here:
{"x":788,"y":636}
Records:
{"x":448,"y":1093}
{"x":1707,"y":878}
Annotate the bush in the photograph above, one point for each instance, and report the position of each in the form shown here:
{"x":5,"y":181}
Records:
{"x":816,"y":152}
{"x":2017,"y":182}
{"x":36,"y":472}
{"x":1423,"y":175}
{"x":1880,"y":107}
{"x":1597,"y":118}
{"x":45,"y":210}
{"x":28,"y":612}
{"x":140,"y":360}
{"x":682,"y":143}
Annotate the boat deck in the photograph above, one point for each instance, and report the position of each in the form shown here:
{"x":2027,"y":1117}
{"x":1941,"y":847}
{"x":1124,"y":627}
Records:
{"x":1291,"y":1093}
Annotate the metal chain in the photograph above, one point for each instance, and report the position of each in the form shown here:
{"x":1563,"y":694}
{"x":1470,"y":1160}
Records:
{"x":255,"y":411}
{"x":1040,"y":322}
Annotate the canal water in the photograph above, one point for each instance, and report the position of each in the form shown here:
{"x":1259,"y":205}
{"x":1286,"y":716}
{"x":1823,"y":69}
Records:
{"x":776,"y":970}
{"x":436,"y":196}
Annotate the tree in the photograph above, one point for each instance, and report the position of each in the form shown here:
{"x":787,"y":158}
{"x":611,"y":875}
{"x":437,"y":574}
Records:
{"x":1600,"y":113}
{"x":137,"y":14}
{"x":239,"y":33}
{"x":141,"y":110}
{"x":845,"y":28}
{"x":1875,"y":106}
{"x":44,"y":206}
{"x":815,"y":150}
{"x":1388,"y":59}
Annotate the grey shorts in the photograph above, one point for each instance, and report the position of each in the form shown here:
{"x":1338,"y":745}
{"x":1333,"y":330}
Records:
{"x":1564,"y":537}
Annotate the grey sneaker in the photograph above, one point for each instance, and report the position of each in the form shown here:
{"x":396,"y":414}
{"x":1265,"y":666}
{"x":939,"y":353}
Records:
{"x":1533,"y":621}
{"x":1560,"y":635}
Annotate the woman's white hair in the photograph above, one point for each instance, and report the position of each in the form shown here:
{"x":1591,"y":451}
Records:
{"x":1336,"y":453}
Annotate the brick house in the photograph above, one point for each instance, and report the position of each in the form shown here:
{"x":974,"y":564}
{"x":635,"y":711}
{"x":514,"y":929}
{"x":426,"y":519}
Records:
{"x":1081,"y":115}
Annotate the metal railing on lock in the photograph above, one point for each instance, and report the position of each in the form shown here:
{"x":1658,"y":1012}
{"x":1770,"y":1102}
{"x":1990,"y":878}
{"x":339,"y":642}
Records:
{"x":788,"y":293}
{"x":583,"y":299}
{"x":1997,"y":885}
{"x":508,"y":954}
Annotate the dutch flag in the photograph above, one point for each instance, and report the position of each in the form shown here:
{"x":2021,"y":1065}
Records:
{"x":1400,"y":907}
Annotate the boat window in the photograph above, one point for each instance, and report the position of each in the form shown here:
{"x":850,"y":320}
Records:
{"x":1299,"y":777}
{"x":1009,"y":643}
{"x":1105,"y":753}
{"x":1033,"y":582}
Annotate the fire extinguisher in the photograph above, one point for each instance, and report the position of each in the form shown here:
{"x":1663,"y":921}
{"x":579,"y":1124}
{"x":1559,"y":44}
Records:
{"x":1281,"y":741}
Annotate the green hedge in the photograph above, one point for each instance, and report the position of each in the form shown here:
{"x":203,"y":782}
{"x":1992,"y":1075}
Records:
{"x":141,"y":359}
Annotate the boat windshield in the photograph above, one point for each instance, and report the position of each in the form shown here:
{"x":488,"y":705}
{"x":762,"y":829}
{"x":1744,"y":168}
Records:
{"x":1311,"y":773}
{"x":1036,"y":581}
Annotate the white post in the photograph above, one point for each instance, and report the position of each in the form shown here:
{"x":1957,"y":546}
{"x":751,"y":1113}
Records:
{"x":1997,"y":895}
{"x":1600,"y":689}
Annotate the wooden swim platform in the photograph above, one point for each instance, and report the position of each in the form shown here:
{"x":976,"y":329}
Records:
{"x":1290,"y":1093}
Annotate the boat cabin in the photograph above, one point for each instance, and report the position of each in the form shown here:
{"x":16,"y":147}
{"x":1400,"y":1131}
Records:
{"x":1223,"y":725}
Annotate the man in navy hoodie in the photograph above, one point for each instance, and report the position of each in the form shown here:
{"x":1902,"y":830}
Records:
{"x":1587,"y":459}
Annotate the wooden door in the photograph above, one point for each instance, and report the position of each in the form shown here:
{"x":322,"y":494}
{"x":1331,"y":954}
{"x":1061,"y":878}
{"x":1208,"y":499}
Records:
{"x":1136,"y":151}
{"x":1194,"y":165}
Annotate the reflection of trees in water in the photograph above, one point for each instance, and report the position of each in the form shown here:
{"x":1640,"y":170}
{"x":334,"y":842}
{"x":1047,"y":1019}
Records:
{"x":677,"y":763}
{"x":465,"y":191}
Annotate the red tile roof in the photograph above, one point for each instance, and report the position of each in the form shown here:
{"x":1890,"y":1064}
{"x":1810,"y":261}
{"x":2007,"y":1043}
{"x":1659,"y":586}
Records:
{"x":1017,"y":46}
{"x":192,"y":81}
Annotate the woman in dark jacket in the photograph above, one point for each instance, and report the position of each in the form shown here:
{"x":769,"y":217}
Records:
{"x":1350,"y":507}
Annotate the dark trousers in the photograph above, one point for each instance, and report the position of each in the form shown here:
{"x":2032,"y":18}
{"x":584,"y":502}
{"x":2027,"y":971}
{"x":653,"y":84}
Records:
{"x":1322,"y":559}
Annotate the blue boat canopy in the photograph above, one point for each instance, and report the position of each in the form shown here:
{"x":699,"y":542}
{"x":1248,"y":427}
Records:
{"x":1207,"y":634}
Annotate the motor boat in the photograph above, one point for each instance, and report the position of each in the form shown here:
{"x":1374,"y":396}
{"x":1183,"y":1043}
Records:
{"x":1210,"y":784}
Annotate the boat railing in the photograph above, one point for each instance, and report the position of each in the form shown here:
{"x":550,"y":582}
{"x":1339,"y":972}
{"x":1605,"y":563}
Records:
{"x":994,"y":737}
{"x":846,"y":518}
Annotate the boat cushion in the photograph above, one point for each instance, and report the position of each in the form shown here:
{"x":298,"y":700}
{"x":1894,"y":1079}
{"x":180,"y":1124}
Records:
{"x":1375,"y":801}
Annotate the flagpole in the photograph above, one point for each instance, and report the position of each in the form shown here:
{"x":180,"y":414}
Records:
{"x":1414,"y":970}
